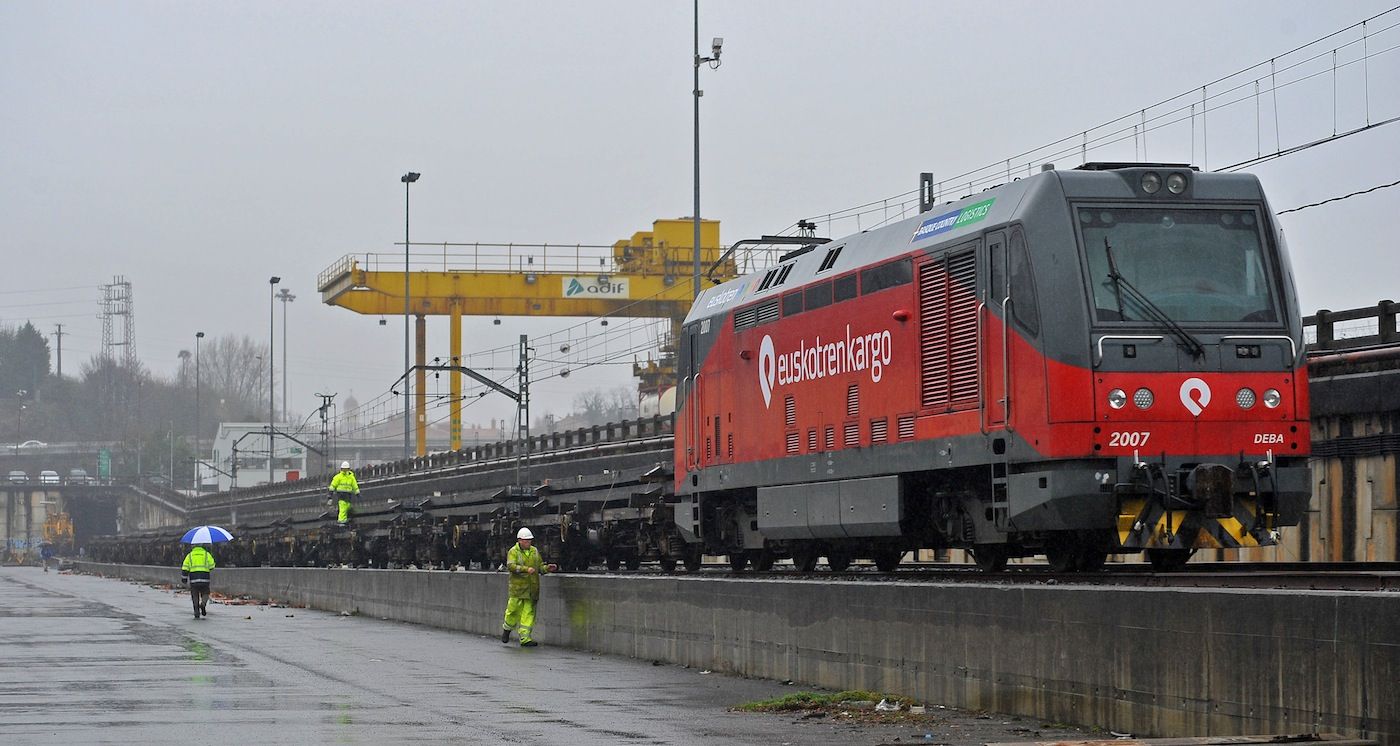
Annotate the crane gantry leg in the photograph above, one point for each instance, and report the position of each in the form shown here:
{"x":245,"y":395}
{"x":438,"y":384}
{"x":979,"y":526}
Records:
{"x":455,"y":331}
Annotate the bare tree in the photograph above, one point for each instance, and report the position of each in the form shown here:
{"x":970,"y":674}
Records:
{"x":235,"y":367}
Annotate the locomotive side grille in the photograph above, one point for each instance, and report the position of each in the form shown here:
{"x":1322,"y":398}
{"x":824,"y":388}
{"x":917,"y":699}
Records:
{"x":812,"y":439}
{"x":879,"y":430}
{"x":948,"y":331}
{"x":709,"y":445}
{"x":853,"y":400}
{"x":792,"y":442}
{"x":790,"y":411}
{"x":744,"y":317}
{"x":830,"y":437}
{"x":852,"y":435}
{"x":906,"y":426}
{"x":962,"y":328}
{"x":766,"y":312}
{"x":730,"y":438}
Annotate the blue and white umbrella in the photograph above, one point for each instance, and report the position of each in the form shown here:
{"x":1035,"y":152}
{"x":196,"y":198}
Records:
{"x":205,"y":535}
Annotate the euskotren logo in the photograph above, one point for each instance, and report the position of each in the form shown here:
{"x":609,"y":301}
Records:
{"x":851,"y":354}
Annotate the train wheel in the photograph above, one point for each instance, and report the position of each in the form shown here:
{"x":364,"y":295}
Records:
{"x":990,"y":557}
{"x":1169,"y":560}
{"x":668,"y":564}
{"x":838,"y":561}
{"x":888,"y":559}
{"x":738,"y":561}
{"x":804,"y":559}
{"x":633,"y":562}
{"x":693,"y":559}
{"x":1062,"y":556}
{"x":763,"y":561}
{"x":612,"y":561}
{"x":1091,"y":559}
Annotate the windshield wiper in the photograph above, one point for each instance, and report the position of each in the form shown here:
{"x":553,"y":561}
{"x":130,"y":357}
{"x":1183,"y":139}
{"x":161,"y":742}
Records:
{"x":1121,"y":284}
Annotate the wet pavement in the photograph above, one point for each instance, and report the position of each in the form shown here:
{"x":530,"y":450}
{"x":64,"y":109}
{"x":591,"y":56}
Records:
{"x":92,"y":660}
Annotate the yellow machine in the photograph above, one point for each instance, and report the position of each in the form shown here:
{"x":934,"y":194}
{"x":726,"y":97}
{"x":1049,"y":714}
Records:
{"x":647,"y":276}
{"x":58,"y":531}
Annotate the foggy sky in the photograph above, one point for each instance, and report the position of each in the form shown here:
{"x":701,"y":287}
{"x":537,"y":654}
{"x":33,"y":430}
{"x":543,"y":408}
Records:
{"x":198,"y":148}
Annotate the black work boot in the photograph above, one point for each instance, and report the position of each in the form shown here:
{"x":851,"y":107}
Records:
{"x":505,"y":635}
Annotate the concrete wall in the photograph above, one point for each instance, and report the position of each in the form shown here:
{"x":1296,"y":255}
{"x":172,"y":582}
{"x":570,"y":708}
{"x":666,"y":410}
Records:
{"x":1153,"y":661}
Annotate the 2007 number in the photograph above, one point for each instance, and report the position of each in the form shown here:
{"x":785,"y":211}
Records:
{"x":1132,"y":439}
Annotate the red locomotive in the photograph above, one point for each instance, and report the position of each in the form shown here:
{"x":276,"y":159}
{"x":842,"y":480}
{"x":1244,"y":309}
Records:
{"x":1074,"y":364}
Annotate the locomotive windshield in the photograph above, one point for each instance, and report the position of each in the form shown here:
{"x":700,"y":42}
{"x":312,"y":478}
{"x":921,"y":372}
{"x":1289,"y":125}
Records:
{"x":1196,"y":265}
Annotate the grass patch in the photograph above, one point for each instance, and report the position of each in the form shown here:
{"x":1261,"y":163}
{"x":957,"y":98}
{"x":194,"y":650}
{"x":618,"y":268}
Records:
{"x":801,"y":701}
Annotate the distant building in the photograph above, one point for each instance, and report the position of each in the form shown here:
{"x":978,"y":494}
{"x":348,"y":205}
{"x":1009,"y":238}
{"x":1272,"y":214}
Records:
{"x":249,"y":439}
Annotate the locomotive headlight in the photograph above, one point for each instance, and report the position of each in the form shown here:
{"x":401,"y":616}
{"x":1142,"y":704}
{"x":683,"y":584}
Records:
{"x":1151,"y":182}
{"x":1142,"y":398}
{"x":1117,"y":399}
{"x":1245,"y":398}
{"x":1272,"y":398}
{"x":1176,"y":183}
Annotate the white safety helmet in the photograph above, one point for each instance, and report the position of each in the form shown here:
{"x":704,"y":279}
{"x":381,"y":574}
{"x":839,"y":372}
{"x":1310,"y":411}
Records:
{"x":345,"y":464}
{"x":524,"y":533}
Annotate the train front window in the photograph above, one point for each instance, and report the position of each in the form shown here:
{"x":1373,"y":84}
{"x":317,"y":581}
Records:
{"x":1196,"y":265}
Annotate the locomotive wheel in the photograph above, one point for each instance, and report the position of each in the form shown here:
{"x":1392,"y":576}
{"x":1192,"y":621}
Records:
{"x":804,"y":559}
{"x":612,"y":561}
{"x":886,"y":560}
{"x":693,"y":559}
{"x":838,"y":561}
{"x":668,"y":565}
{"x":1168,"y":560}
{"x":633,"y":561}
{"x":738,"y":561}
{"x":990,"y":557}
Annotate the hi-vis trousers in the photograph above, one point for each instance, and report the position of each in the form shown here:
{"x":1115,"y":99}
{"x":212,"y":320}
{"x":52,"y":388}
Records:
{"x":520,"y":612}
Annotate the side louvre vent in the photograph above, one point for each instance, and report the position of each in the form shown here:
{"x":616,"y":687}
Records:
{"x":852,"y":435}
{"x":767,"y":312}
{"x":792,"y":442}
{"x":755,"y":315}
{"x":853,"y":400}
{"x":730,"y":437}
{"x":879,"y":430}
{"x":830,"y":437}
{"x":906,"y":426}
{"x":790,"y":412}
{"x":744,"y":317}
{"x":948,"y":331}
{"x":812,"y":439}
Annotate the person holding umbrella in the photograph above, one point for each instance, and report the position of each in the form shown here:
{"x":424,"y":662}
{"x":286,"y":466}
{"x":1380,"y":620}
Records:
{"x":199,"y":564}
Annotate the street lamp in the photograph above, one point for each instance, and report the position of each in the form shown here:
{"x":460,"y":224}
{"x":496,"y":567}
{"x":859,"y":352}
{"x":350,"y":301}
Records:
{"x":197,"y":484}
{"x":407,"y":179}
{"x":271,"y":375}
{"x":714,"y":63}
{"x":286,"y":297}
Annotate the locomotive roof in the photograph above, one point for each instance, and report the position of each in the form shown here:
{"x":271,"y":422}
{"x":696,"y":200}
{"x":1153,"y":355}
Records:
{"x":951,"y":222}
{"x":945,"y":222}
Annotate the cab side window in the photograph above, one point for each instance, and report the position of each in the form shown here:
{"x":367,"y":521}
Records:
{"x":1024,"y":307}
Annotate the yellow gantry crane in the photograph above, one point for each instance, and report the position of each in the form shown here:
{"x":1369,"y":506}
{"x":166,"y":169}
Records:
{"x":647,"y":276}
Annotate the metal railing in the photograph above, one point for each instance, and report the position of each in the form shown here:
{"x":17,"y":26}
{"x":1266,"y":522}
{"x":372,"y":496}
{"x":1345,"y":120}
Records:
{"x":1338,"y":330}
